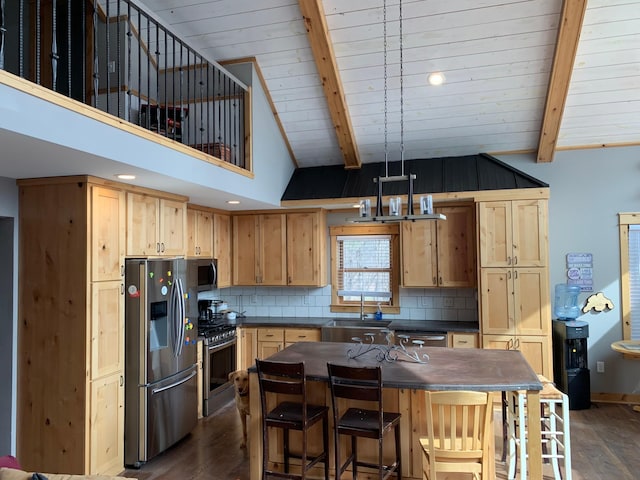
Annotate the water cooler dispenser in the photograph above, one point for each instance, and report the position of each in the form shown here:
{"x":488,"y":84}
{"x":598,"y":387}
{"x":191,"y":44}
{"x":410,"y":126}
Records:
{"x":570,"y":365}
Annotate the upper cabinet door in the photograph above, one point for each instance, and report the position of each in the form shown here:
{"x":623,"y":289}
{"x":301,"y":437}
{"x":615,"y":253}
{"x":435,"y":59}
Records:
{"x":530,"y":233}
{"x":305,"y":248}
{"x":513,"y":233}
{"x":456,"y":247}
{"x":142,"y":224}
{"x":107,"y":233}
{"x":245,"y":248}
{"x":222,"y":248}
{"x":173,"y":227}
{"x":273,"y":242}
{"x":419,"y":254}
{"x":496,"y":244}
{"x":199,"y":233}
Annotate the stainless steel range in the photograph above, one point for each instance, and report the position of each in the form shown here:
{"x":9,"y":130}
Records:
{"x":219,"y":360}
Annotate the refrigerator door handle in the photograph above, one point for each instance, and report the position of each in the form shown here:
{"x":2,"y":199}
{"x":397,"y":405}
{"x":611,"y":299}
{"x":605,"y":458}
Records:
{"x":173,"y":385}
{"x":176,"y":312}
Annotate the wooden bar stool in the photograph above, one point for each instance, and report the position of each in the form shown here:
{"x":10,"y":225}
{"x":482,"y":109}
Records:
{"x":362,"y":384}
{"x":280,"y":378}
{"x":556,"y":440}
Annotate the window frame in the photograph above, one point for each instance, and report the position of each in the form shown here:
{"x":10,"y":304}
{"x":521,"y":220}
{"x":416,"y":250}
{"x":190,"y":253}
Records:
{"x":392,"y":230}
{"x":625,"y":220}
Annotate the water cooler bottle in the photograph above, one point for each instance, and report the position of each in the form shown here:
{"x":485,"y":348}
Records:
{"x":570,"y":366}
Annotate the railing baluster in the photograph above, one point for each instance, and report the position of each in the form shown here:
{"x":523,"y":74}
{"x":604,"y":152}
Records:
{"x":54,"y":46}
{"x":107,"y":69}
{"x":139,"y":83}
{"x":83,"y":69}
{"x":187,"y":132}
{"x":118,"y":62}
{"x":38,"y":41}
{"x":129,"y":35}
{"x":21,"y":41}
{"x":157,"y":99}
{"x":166,"y":107}
{"x":173,"y":87}
{"x":96,"y":63}
{"x":148,"y":116}
{"x":209,"y":100}
{"x":69,"y":46}
{"x":2,"y":38}
{"x":201,"y":83}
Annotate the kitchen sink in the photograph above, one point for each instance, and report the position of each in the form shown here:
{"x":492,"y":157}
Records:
{"x":354,"y":322}
{"x":345,"y":329}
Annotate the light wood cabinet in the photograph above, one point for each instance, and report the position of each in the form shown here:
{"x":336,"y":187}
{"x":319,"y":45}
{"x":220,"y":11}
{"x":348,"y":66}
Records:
{"x":515,"y":301}
{"x":513,"y":233}
{"x":262,"y":342}
{"x":246,"y":347}
{"x":535,"y":349}
{"x":259,"y":249}
{"x":515,"y":311}
{"x":199,"y":233}
{"x":306,"y":249}
{"x":440,"y":253}
{"x":107,"y":425}
{"x":295,"y":335}
{"x":270,"y":341}
{"x":156,"y":226}
{"x":71,"y":350}
{"x":222,"y":248}
{"x":463,"y":340}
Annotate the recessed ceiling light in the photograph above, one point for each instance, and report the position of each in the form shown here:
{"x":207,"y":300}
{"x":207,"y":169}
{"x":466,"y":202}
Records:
{"x":436,"y":78}
{"x":126,"y":176}
{"x":233,"y":202}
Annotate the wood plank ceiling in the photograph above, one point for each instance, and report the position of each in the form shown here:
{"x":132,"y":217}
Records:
{"x":507,"y":89}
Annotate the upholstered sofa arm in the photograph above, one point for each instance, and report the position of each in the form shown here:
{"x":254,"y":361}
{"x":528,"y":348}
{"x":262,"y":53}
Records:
{"x":11,"y":474}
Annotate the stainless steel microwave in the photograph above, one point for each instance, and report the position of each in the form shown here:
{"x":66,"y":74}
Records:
{"x":206,"y":271}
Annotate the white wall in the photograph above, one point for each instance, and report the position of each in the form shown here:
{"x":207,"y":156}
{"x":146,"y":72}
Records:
{"x":588,"y":189}
{"x":8,"y":313}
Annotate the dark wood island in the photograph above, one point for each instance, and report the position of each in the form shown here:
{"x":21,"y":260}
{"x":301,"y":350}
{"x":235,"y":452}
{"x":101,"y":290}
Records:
{"x":405,"y":383}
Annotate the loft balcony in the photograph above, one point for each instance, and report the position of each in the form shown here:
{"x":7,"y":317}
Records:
{"x":115,"y":57}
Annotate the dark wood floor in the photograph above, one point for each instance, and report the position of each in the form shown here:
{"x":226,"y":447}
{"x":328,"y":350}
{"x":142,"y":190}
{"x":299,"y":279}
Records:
{"x":605,"y":442}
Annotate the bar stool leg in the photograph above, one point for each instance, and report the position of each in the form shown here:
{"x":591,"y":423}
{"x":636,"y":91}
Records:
{"x":522,"y":434}
{"x":510,"y":424}
{"x":553,"y":438}
{"x":567,"y":436}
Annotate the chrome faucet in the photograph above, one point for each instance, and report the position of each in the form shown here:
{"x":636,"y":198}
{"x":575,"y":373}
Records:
{"x":363,"y":316}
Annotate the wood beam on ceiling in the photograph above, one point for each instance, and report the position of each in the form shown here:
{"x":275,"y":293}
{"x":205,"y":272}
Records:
{"x":322,"y":48}
{"x":568,"y":37}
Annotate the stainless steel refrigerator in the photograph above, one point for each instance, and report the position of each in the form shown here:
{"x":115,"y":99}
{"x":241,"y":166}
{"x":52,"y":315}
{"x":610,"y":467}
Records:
{"x":161,"y":394}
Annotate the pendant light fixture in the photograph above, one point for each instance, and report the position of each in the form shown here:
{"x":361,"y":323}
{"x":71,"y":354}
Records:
{"x":395,"y":203}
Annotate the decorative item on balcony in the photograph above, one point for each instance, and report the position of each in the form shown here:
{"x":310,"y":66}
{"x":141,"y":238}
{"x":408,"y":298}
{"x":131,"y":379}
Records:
{"x":395,"y":204}
{"x":390,"y":352}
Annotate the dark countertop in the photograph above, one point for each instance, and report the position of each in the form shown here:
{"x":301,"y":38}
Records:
{"x":428,"y":326}
{"x":446,"y":369}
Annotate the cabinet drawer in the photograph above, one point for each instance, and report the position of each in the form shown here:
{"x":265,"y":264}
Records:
{"x":270,"y":335}
{"x":463,"y":340}
{"x":292,"y":335}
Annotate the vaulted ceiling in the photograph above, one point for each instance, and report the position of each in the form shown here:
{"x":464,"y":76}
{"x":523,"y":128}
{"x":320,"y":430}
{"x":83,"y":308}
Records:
{"x":521,"y":75}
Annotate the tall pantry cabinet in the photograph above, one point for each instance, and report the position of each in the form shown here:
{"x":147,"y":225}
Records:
{"x":515,"y":310}
{"x":71,"y":326}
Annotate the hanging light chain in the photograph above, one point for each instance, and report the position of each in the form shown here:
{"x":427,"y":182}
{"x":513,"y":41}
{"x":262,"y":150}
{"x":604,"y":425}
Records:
{"x":386,"y":131}
{"x":401,"y":96}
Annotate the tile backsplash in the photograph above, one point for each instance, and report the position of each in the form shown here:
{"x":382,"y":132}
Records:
{"x":450,"y":304}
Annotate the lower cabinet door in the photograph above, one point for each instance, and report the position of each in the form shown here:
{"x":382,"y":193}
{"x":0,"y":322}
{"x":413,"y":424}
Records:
{"x":107,"y":425}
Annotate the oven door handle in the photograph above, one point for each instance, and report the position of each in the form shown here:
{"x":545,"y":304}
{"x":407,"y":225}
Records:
{"x":220,"y":346}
